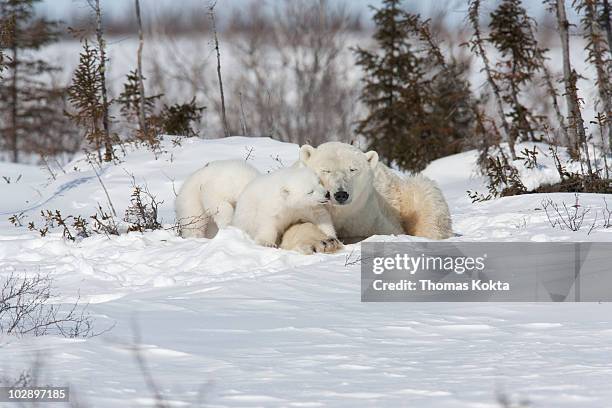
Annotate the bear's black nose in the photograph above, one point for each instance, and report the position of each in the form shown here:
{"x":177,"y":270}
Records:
{"x":341,"y":196}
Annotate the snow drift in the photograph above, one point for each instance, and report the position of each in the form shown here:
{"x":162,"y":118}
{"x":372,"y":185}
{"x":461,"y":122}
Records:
{"x":234,"y":324}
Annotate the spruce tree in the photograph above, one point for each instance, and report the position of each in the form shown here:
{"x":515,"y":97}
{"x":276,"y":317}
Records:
{"x":512,"y":34}
{"x":176,"y":120}
{"x":179,"y":119}
{"x":130,"y":99}
{"x":86,"y":96}
{"x":135,"y":107}
{"x":108,"y":137}
{"x":415,"y":113}
{"x":28,"y":104}
{"x":88,"y":92}
{"x":595,"y":20}
{"x":5,"y":24}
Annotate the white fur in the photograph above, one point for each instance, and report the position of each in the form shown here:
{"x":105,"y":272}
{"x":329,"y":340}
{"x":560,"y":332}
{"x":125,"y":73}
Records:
{"x":380,"y":202}
{"x":207,"y":198}
{"x":273,"y":202}
{"x":307,"y":238}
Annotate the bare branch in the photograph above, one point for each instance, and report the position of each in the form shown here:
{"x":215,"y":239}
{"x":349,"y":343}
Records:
{"x":211,"y":13}
{"x":141,"y":117}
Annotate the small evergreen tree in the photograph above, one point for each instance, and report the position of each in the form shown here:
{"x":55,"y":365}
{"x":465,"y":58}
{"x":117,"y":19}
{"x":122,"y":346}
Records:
{"x":595,"y":19}
{"x":88,"y":93}
{"x":452,"y":112}
{"x":5,"y":28}
{"x":137,"y":108}
{"x":108,"y":137}
{"x":85,"y":95}
{"x":413,"y":105}
{"x":130,"y":101}
{"x":28,"y":104}
{"x":512,"y":34}
{"x":178,"y":119}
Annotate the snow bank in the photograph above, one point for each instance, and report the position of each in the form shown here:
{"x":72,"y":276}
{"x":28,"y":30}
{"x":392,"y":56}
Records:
{"x":253,"y":326}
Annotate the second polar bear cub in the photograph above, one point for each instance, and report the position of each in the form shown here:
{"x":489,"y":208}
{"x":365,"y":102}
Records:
{"x":207,"y":198}
{"x":273,"y":202}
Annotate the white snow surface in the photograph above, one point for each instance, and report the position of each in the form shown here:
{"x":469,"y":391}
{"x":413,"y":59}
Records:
{"x":232,"y":324}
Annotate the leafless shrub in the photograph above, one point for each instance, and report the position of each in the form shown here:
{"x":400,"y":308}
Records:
{"x":152,"y":384}
{"x":142,"y":214}
{"x":72,"y":227}
{"x":26,"y":309}
{"x":352,"y":258}
{"x":211,"y":13}
{"x":529,"y":157}
{"x":23,"y":380}
{"x":10,"y":180}
{"x":174,"y":71}
{"x":503,"y":178}
{"x":26,"y":378}
{"x":104,"y":223}
{"x":108,"y":199}
{"x":160,"y":401}
{"x":279,"y":162}
{"x":505,"y":401}
{"x":17,"y":219}
{"x":521,"y":224}
{"x":34,"y":376}
{"x":309,"y":98}
{"x":249,"y":153}
{"x":191,"y":223}
{"x":606,"y":218}
{"x":565,"y":217}
{"x":607,"y":215}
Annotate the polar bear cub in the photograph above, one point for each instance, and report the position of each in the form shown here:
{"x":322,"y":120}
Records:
{"x":273,"y":202}
{"x":207,"y":198}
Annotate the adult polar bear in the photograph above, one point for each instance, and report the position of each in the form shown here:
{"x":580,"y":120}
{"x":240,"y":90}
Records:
{"x":368,"y":198}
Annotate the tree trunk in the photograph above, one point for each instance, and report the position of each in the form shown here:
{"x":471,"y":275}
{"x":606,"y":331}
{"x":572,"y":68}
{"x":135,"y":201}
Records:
{"x":108,"y":145}
{"x":211,"y":10}
{"x":598,"y":59}
{"x":555,"y":103}
{"x":576,"y":131}
{"x":141,"y":110}
{"x":14,"y":101}
{"x":475,"y":9}
{"x":607,"y":26}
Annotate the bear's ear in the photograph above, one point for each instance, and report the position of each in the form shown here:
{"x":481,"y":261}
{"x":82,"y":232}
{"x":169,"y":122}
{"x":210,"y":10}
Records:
{"x":305,"y":153}
{"x":372,"y":158}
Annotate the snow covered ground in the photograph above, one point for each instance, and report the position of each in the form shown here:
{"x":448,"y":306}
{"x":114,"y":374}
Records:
{"x":235,"y":325}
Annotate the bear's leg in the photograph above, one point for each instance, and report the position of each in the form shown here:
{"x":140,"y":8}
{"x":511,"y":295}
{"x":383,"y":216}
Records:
{"x":323,"y":221}
{"x":223,"y":215}
{"x":267,"y":235}
{"x":307,"y":238}
{"x":423,"y":209}
{"x":190,"y":214}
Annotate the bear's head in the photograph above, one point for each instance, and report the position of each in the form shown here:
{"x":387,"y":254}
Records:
{"x":345,"y":171}
{"x":302,"y":188}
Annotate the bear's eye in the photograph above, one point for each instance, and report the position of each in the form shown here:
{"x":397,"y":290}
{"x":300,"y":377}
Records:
{"x":326,"y":171}
{"x":353,"y":170}
{"x":311,"y":192}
